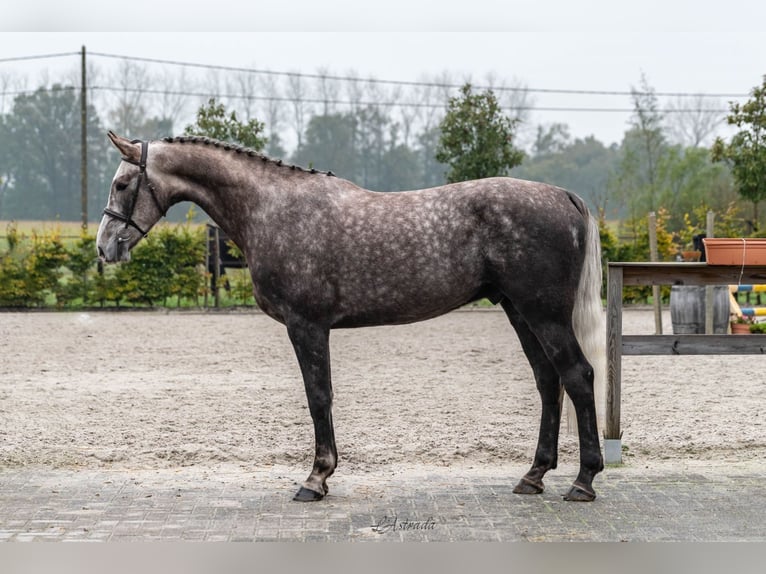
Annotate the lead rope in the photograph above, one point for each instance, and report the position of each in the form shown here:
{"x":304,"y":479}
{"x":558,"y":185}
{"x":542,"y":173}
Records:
{"x":744,"y":253}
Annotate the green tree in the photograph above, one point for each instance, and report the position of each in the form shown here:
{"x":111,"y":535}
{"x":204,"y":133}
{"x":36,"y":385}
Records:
{"x":746,"y":152}
{"x":6,"y":166}
{"x":688,"y":180}
{"x":361,"y":146}
{"x":213,"y":121}
{"x":476,"y":137}
{"x":637,"y":179}
{"x":371,"y":143}
{"x":401,"y":169}
{"x":550,"y":139}
{"x":431,"y":170}
{"x":42,"y":140}
{"x":585,"y":166}
{"x":328,"y":145}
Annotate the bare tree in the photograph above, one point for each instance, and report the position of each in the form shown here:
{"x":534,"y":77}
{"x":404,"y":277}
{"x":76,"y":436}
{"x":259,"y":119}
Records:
{"x":128,"y":79}
{"x":354,"y":92}
{"x":435,"y":94}
{"x":409,"y":112}
{"x":9,"y":82}
{"x":297,"y":93}
{"x":515,"y":98}
{"x":245,"y":86}
{"x":171,"y":99}
{"x":273,"y":113}
{"x":328,"y":91}
{"x":212,"y":84}
{"x":691,"y":121}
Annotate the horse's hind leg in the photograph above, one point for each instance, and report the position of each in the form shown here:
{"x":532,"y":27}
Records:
{"x":551,"y":394}
{"x":576,"y":374}
{"x":312,"y":347}
{"x":556,"y":338}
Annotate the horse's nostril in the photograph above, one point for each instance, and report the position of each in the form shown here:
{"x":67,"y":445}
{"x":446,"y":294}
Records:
{"x":101,"y":253}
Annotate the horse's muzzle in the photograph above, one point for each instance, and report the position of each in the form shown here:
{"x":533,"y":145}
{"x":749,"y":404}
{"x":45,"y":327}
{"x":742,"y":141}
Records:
{"x":114,"y":250}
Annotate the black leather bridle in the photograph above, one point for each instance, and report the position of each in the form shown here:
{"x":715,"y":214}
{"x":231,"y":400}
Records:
{"x":128,"y":218}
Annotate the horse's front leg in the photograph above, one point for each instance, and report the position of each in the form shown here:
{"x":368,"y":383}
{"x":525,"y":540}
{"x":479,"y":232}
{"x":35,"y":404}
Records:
{"x":312,"y":347}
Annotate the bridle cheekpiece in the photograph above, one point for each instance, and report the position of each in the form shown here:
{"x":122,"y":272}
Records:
{"x":128,"y":219}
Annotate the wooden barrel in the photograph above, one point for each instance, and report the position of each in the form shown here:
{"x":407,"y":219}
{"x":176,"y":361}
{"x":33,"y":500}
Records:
{"x":687,"y":309}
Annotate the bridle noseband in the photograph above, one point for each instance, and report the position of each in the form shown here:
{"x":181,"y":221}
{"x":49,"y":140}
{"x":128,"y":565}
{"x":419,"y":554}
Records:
{"x":128,"y":219}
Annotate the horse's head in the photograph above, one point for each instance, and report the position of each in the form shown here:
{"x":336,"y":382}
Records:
{"x":133,"y":207}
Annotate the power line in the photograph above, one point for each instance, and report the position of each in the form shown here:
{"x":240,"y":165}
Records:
{"x":389,"y":104}
{"x":364,"y":103}
{"x":40,"y":57}
{"x":371,"y":80}
{"x":414,"y":83}
{"x":341,"y":78}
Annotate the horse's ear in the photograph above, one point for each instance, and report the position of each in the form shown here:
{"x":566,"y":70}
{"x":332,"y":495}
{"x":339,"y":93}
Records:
{"x":128,"y":149}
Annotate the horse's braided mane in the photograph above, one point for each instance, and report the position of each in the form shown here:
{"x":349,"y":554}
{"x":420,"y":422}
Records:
{"x":226,"y":146}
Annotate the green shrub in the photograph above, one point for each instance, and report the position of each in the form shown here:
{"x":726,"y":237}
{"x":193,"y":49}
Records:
{"x":167,"y":264}
{"x":41,"y":270}
{"x":31,"y":269}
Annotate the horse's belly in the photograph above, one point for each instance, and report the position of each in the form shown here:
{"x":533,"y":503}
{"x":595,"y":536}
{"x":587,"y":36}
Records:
{"x":388,"y":302}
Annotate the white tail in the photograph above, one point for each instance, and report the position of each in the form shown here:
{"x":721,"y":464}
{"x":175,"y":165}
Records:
{"x":588,"y":323}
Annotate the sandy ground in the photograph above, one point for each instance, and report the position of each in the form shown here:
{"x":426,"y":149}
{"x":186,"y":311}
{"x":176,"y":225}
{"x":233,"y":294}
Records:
{"x":144,"y":390}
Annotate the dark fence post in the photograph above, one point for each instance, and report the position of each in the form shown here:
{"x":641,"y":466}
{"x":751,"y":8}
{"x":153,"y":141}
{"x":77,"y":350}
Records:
{"x":216,"y":267}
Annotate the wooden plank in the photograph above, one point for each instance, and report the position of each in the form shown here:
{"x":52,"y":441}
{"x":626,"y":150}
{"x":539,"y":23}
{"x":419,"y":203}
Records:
{"x":655,"y":256}
{"x":693,"y":344}
{"x":643,"y":273}
{"x":646,"y":273}
{"x":613,"y":352}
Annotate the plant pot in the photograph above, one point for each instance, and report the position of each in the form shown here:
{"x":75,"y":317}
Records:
{"x":691,"y":255}
{"x":735,"y":251}
{"x":740,"y":329}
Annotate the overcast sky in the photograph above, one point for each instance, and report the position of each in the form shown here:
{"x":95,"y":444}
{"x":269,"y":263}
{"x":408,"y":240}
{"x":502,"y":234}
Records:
{"x":681,"y":46}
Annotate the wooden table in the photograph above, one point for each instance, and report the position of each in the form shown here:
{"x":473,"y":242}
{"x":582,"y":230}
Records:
{"x":617,"y":344}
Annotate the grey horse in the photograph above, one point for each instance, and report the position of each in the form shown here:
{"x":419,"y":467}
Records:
{"x":324,"y":253}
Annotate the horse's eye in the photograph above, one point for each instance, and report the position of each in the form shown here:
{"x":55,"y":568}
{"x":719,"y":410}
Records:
{"x":120,"y":186}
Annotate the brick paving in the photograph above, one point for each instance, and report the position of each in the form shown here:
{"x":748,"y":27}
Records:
{"x":703,"y":503}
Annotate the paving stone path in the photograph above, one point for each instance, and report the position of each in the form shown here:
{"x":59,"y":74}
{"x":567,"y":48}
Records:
{"x":230,"y":504}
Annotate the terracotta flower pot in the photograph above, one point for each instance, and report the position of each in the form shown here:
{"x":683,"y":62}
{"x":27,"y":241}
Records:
{"x":691,"y":255}
{"x":735,"y":251}
{"x":740,"y":329}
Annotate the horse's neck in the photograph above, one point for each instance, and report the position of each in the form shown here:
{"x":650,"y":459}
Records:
{"x":230,"y":187}
{"x":207,"y":177}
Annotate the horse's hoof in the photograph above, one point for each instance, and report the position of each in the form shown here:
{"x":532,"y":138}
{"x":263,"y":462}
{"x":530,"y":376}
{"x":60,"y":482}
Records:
{"x":307,"y":495}
{"x":527,"y":486}
{"x":578,"y":493}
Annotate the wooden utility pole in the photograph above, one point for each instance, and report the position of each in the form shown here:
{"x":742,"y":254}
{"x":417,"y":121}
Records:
{"x":655,"y":256}
{"x":84,"y":145}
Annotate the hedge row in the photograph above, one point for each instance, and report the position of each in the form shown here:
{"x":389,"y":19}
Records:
{"x":166,"y":268}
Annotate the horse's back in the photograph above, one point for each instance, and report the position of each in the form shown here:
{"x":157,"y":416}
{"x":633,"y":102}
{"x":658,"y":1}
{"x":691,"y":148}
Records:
{"x":410,"y":255}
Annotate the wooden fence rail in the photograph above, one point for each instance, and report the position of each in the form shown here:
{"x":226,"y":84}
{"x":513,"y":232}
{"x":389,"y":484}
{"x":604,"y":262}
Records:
{"x":617,"y":344}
